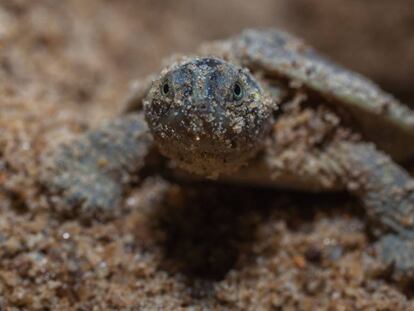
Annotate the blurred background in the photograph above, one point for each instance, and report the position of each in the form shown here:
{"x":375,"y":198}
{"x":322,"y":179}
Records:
{"x":128,"y":38}
{"x":373,"y":37}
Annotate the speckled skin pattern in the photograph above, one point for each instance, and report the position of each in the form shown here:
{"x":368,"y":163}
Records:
{"x":208,"y":115}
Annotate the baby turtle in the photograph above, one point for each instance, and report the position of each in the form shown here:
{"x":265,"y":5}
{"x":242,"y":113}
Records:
{"x":261,"y":108}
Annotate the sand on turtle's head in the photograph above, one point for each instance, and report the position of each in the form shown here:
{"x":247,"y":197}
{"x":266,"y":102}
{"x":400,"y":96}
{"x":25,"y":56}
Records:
{"x":208,"y":115}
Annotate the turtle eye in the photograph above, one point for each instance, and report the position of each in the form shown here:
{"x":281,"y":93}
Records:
{"x":165,"y":88}
{"x":238,"y":91}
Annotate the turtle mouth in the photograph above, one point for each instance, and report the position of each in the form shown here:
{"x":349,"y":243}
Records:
{"x":201,"y":127}
{"x":199,"y":155}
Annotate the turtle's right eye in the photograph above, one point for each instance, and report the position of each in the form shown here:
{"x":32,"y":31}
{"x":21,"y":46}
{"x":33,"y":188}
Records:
{"x":237,"y":91}
{"x":165,"y":88}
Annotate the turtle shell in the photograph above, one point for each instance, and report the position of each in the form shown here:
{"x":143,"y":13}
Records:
{"x":376,"y":114}
{"x":379,"y":116}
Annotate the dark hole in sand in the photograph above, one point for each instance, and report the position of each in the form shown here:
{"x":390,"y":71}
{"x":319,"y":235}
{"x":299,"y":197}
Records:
{"x":207,"y":228}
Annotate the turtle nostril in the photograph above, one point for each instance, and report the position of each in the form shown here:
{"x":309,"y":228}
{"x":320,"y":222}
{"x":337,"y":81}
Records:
{"x":203,"y":107}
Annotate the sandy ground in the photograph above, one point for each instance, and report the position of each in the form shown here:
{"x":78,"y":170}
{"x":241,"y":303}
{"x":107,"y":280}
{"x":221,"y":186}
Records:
{"x":64,"y":67}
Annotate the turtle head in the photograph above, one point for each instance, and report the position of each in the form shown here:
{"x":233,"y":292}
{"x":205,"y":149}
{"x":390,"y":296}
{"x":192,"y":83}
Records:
{"x":208,"y":115}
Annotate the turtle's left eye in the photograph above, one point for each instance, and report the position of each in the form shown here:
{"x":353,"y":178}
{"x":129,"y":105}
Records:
{"x":165,"y":88}
{"x":238,"y":91}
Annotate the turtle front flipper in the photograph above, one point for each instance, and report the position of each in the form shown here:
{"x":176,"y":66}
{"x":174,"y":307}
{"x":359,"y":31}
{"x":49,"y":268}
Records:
{"x":387,"y":192}
{"x":87,"y":176}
